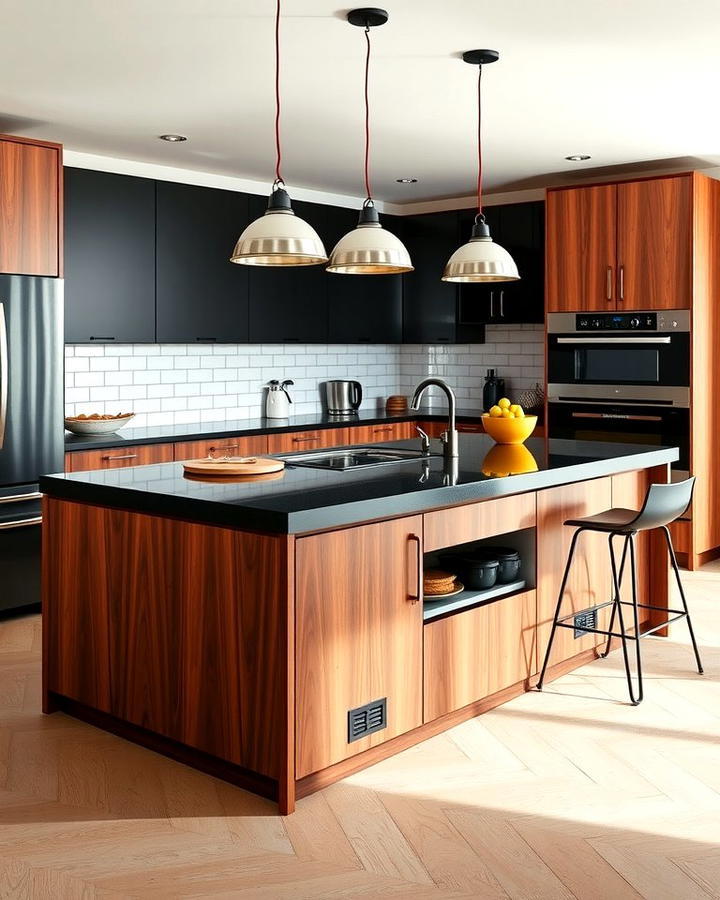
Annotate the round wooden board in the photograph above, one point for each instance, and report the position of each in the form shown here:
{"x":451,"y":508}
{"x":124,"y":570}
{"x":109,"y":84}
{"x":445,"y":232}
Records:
{"x":239,"y":466}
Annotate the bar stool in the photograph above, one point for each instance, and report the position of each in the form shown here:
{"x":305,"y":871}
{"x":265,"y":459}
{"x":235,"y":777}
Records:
{"x":663,"y":504}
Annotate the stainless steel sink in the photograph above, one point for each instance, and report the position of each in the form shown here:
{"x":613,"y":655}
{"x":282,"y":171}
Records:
{"x":344,"y":460}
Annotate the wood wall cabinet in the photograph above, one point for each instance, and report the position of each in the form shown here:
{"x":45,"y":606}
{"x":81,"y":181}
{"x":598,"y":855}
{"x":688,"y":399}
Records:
{"x":119,"y":457}
{"x":109,"y":258}
{"x":590,"y":578}
{"x":359,"y":636}
{"x":290,"y":441}
{"x":625,"y":246}
{"x":30,"y":207}
{"x":201,"y":295}
{"x":234,"y":446}
{"x":473,"y":654}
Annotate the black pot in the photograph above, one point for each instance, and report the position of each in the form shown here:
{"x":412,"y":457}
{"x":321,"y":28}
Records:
{"x":508,"y":559}
{"x":477,"y":574}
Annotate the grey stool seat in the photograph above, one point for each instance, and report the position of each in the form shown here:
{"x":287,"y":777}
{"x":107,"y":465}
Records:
{"x":663,"y":504}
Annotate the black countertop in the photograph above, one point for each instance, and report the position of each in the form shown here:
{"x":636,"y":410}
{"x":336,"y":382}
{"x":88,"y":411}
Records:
{"x":303,"y":500}
{"x":160,"y":434}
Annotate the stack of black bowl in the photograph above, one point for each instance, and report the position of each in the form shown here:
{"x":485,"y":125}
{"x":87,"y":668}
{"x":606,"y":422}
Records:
{"x":484,"y":567}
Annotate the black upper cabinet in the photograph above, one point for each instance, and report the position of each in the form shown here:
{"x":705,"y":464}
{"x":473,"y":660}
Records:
{"x":429,"y":303}
{"x":361,"y":308}
{"x":520,"y":229}
{"x":109,"y":257}
{"x":201,"y":295}
{"x":289,"y":303}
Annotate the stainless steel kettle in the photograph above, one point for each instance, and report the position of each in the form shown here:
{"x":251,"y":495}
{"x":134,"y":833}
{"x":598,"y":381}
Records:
{"x":343,"y":397}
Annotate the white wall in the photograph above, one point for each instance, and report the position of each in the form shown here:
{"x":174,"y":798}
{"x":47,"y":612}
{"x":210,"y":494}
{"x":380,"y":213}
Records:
{"x":166,"y":384}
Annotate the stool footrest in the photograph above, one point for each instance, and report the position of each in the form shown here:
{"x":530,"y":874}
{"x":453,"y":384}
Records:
{"x":589,"y":609}
{"x":630,"y":637}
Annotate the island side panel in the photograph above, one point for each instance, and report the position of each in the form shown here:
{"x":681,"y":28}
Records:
{"x":175,"y":627}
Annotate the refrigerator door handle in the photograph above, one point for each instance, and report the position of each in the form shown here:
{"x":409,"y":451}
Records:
{"x":21,"y":523}
{"x":3,"y":374}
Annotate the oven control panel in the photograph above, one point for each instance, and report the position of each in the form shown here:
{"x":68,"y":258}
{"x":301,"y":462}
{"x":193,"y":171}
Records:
{"x":616,"y":322}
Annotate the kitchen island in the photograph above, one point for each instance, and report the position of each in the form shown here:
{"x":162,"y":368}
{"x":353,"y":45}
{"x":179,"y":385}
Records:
{"x":274,"y":633}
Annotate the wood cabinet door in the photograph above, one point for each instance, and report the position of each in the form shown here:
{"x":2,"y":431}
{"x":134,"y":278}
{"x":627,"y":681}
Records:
{"x":359,"y":636}
{"x":590,"y":580}
{"x":473,"y":654}
{"x":30,"y":192}
{"x":290,"y":441}
{"x":655,"y":243}
{"x":233,"y":446}
{"x":580,"y":249}
{"x":120,"y":457}
{"x":384,"y":431}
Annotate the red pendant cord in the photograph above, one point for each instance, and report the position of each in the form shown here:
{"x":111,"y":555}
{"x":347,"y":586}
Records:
{"x":367,"y":118}
{"x":278,"y":151}
{"x":479,"y":137}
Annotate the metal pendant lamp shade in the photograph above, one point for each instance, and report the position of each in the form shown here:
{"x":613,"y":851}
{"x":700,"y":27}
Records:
{"x":279,"y":238}
{"x":369,"y":249}
{"x":481,"y":259}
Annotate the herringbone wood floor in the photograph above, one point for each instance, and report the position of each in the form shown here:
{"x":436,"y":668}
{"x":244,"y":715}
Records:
{"x":569,"y":793}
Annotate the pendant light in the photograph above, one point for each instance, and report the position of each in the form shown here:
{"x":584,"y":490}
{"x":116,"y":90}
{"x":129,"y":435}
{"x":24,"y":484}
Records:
{"x":481,"y":259}
{"x":279,"y":237}
{"x":369,"y":249}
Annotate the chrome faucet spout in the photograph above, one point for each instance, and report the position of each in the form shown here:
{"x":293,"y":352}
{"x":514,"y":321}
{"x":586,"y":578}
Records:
{"x":450,"y":437}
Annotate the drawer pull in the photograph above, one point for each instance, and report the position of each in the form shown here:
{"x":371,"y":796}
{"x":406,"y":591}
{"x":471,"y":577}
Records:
{"x":124,"y":456}
{"x":20,"y":498}
{"x":383,"y":428}
{"x":226,"y":447}
{"x":299,"y":440}
{"x":101,"y":338}
{"x":21,"y":523}
{"x":416,"y":597}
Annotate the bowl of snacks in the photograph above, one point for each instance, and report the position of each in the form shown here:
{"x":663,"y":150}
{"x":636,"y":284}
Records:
{"x":97,"y":423}
{"x":507,"y":423}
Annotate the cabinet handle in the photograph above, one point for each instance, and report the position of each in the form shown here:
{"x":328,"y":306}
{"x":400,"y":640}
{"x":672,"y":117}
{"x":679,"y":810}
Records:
{"x":417,"y":596}
{"x":382,"y":428}
{"x":20,"y":498}
{"x":206,"y":339}
{"x":492,"y":304}
{"x":226,"y":447}
{"x":621,"y":279}
{"x":608,"y":284}
{"x":502,"y":304}
{"x":21,"y":523}
{"x":298,"y":440}
{"x":125,"y":456}
{"x":101,"y":338}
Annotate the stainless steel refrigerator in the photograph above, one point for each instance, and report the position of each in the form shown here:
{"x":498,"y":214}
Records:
{"x":31,"y":426}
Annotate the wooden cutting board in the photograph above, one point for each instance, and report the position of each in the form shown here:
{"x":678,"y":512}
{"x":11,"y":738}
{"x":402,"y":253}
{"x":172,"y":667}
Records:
{"x":234,"y":465}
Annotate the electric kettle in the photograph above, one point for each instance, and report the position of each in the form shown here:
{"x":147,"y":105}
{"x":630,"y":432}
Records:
{"x":343,"y":397}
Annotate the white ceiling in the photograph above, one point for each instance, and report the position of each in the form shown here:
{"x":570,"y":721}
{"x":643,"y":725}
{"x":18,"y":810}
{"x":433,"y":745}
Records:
{"x":628,"y":82}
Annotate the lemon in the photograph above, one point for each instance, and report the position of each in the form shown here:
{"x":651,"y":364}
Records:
{"x":506,"y":414}
{"x":516,"y":408}
{"x":504,"y":403}
{"x":495,"y":412}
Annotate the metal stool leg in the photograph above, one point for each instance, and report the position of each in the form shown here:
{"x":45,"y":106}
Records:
{"x":626,"y":658}
{"x":673,"y":560}
{"x":557,"y":608}
{"x":636,"y":617}
{"x":616,"y":598}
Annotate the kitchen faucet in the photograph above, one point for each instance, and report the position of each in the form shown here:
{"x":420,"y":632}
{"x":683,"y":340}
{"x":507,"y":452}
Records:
{"x":449,"y":438}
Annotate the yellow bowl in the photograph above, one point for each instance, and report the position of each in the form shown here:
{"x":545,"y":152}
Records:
{"x":509,"y":431}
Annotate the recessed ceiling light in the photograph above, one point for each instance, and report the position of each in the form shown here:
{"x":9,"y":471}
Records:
{"x":406,"y":180}
{"x":578,"y":157}
{"x":173,"y":138}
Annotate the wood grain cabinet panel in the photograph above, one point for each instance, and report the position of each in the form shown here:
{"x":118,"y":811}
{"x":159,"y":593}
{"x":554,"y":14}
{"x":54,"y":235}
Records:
{"x":590,"y":580}
{"x":384,"y":431}
{"x":120,"y":457}
{"x":30,"y":207}
{"x":177,"y":628}
{"x":359,"y":636}
{"x":473,"y":654}
{"x":580,"y":248}
{"x":655,"y":243}
{"x":234,"y":446}
{"x":476,"y":521}
{"x":290,"y":441}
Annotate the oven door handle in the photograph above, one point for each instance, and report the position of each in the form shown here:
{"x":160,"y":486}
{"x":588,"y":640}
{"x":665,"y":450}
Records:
{"x":640,"y":339}
{"x":584,"y":415}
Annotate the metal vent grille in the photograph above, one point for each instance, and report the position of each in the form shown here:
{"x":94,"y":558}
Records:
{"x":584,"y":620}
{"x":364,"y":720}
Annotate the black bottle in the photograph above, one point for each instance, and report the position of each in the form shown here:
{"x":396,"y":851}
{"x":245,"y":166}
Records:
{"x":493,"y":390}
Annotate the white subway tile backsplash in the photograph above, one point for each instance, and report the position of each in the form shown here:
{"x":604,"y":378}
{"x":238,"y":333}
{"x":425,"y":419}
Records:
{"x":187,"y":383}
